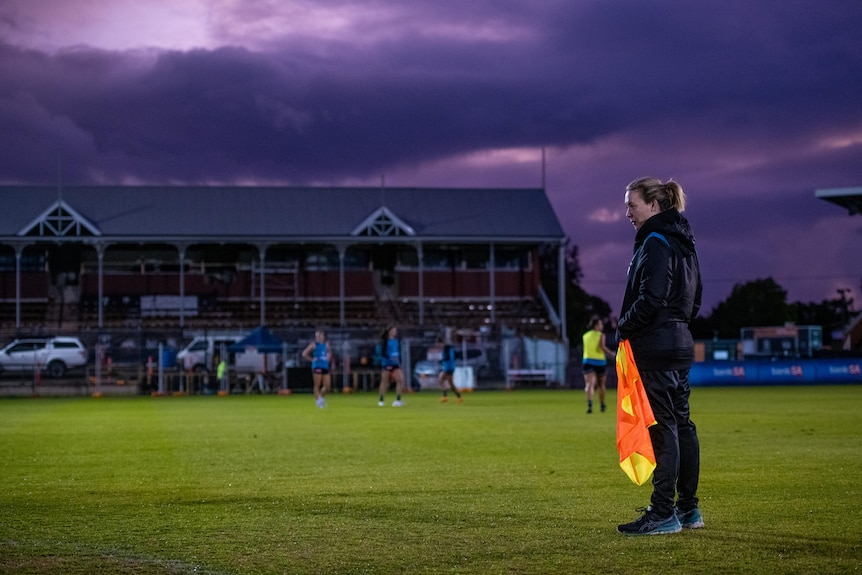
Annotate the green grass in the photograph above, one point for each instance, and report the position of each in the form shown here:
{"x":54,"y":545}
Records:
{"x":521,"y":482}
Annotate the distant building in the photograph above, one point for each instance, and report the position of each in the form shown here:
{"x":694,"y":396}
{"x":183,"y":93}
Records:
{"x":787,"y":341}
{"x":191,"y":253}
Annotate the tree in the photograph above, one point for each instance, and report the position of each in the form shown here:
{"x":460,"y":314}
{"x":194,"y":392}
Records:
{"x":760,"y":302}
{"x":579,"y":304}
{"x":833,"y":316}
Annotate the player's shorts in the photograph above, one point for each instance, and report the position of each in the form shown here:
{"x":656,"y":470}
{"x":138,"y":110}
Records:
{"x":597,"y":369}
{"x":321,"y":370}
{"x":392,"y":367}
{"x":448,"y":372}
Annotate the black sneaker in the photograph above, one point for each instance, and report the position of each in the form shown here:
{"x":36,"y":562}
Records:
{"x":690,"y":519}
{"x":651,"y":524}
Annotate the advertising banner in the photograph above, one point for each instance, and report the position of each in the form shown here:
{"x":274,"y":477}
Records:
{"x":780,"y":372}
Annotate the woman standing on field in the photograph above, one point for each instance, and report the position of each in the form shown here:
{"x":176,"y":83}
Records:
{"x":663,"y":294}
{"x":390,"y":349}
{"x":319,"y":354}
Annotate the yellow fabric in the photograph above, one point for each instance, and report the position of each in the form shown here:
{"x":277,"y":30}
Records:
{"x":592,"y":347}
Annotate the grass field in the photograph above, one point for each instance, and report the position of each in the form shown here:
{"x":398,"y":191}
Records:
{"x":522,"y":482}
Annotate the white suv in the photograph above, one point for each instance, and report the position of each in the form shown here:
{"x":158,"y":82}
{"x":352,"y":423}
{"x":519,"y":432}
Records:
{"x":53,"y":355}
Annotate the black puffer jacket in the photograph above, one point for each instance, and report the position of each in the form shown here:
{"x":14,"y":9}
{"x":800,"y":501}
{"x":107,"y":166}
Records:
{"x":663,"y":294}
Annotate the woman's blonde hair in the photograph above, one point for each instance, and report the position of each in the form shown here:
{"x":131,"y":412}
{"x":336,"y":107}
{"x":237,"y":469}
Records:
{"x":668,"y":195}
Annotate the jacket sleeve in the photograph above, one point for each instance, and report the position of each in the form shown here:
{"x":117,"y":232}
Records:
{"x":654,"y":277}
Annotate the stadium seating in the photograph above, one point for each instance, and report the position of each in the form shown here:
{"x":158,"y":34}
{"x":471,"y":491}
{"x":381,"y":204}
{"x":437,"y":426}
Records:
{"x":523,"y":315}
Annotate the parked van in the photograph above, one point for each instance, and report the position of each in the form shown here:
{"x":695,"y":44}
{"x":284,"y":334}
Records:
{"x":203,"y":351}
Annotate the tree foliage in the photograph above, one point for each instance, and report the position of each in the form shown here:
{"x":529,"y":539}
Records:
{"x":579,"y":304}
{"x":760,"y":302}
{"x":832,"y":315}
{"x":763,"y":302}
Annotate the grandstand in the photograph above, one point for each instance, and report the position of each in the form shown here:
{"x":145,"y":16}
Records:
{"x":102,"y":258}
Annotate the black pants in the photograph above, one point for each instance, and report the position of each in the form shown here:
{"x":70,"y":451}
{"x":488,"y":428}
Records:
{"x":674,"y":440}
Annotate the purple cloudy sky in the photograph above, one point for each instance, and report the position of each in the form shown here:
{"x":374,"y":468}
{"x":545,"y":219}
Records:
{"x":750,"y":105}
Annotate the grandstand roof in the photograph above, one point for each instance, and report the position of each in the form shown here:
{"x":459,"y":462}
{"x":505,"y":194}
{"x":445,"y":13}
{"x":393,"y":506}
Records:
{"x":849,"y":198}
{"x":202,"y":213}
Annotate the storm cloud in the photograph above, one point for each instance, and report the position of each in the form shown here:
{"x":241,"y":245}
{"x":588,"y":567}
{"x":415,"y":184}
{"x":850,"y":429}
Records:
{"x":750,"y":106}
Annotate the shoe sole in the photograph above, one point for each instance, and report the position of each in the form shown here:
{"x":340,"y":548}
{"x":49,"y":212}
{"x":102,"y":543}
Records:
{"x":653,"y":532}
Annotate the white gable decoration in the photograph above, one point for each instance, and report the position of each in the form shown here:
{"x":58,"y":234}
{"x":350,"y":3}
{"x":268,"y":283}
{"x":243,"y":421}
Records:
{"x":383,"y":223}
{"x":60,"y":220}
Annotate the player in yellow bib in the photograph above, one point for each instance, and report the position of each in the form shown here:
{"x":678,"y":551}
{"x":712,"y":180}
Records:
{"x":595,"y":362}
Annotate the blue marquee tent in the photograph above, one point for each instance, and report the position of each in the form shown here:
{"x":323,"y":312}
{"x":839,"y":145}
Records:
{"x":265,"y":342}
{"x":261,"y":339}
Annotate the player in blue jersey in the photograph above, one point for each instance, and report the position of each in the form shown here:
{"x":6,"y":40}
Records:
{"x":447,"y":371}
{"x":390,"y":347}
{"x":319,"y":354}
